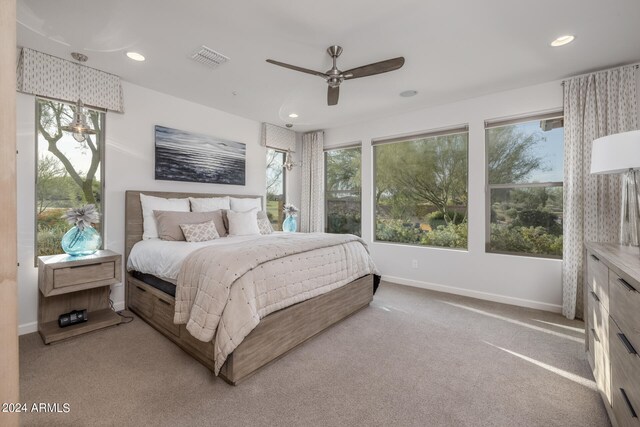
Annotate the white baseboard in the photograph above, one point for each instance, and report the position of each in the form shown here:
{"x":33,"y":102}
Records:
{"x":27,"y":328}
{"x":476,"y":294}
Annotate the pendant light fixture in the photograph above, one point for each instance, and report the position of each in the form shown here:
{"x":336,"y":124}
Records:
{"x":79,"y":126}
{"x":288,"y":161}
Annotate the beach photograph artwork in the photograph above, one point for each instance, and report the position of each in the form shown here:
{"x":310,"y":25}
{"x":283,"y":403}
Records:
{"x":193,"y":157}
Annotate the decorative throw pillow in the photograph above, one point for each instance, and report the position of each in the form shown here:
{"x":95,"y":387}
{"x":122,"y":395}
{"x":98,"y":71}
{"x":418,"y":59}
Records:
{"x":150,"y":204}
{"x":243,"y":223}
{"x":209,"y":204}
{"x":239,"y":204}
{"x":202,"y":232}
{"x":264,"y":225}
{"x":168,"y":223}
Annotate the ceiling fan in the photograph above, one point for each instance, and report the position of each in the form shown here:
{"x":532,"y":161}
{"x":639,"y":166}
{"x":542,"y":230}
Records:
{"x":334,"y":76}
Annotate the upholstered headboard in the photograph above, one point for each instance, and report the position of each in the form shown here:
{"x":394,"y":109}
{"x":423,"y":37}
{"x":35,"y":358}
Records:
{"x":133,"y":212}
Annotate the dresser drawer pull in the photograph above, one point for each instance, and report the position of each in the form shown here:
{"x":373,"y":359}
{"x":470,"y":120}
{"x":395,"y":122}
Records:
{"x":595,"y":296}
{"x":595,"y":336}
{"x":164,"y":302}
{"x":626,"y":399}
{"x":627,"y":344}
{"x":626,"y":285}
{"x":85,"y":265}
{"x":595,"y":258}
{"x":141,"y":289}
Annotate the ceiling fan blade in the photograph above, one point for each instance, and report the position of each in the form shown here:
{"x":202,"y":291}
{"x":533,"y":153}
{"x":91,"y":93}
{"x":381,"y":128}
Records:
{"x":375,"y":68}
{"x":332,"y":95}
{"x":293,"y":67}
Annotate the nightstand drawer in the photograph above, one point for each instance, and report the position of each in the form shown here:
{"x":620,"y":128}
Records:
{"x":81,"y":274}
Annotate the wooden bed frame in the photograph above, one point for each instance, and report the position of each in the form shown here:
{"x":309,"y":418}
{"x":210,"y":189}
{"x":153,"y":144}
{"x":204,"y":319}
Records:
{"x":274,"y":336}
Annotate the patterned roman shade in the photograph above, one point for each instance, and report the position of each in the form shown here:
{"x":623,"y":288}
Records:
{"x":45,"y":75}
{"x":278,"y":137}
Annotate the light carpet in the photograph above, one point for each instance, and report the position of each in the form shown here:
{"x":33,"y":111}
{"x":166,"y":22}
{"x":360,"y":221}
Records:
{"x":412,"y":358}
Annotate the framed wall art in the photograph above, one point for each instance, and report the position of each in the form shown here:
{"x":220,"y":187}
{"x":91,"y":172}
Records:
{"x":193,"y":157}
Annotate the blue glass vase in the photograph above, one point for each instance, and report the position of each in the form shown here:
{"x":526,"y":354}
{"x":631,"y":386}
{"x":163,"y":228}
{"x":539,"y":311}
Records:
{"x":78,"y":242}
{"x":290,"y":224}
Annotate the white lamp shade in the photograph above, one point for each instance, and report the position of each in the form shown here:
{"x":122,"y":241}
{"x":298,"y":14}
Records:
{"x":616,"y":153}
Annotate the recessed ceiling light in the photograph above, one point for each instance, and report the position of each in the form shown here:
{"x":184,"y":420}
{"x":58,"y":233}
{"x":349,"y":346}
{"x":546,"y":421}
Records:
{"x":135,"y":56}
{"x":408,"y":93}
{"x":562,"y":40}
{"x":293,"y":115}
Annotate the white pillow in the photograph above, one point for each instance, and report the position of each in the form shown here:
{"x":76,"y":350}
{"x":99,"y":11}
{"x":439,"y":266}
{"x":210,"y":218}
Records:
{"x":209,"y":204}
{"x":246,"y":204}
{"x":243,"y":223}
{"x":150,"y":204}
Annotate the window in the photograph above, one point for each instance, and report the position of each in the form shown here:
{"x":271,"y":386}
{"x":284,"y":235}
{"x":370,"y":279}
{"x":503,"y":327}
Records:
{"x":275,"y":187}
{"x":525,"y":173}
{"x":342,"y":198}
{"x":421,"y":189}
{"x":69,"y":173}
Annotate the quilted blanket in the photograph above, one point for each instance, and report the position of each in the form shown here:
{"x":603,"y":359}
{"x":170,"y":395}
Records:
{"x":222,"y":293}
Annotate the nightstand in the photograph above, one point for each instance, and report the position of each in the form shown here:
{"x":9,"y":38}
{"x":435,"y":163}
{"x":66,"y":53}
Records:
{"x":74,"y":283}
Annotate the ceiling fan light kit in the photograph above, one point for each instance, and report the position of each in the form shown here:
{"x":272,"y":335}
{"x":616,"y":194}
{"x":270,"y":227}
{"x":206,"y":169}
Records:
{"x":334,"y":76}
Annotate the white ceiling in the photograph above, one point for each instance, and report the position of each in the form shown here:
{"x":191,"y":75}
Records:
{"x":453,"y":49}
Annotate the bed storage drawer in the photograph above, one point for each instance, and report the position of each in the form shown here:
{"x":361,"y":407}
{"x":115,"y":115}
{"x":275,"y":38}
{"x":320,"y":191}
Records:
{"x":140,"y":299}
{"x":598,"y":279}
{"x":163,"y":311}
{"x":205,"y":348}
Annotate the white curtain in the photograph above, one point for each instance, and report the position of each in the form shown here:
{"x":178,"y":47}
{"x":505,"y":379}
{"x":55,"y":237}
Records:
{"x":45,"y":75}
{"x":595,"y":105}
{"x":312,"y":209}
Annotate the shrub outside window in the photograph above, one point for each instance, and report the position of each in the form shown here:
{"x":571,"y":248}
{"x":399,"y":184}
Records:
{"x":525,"y":185}
{"x":421,"y":189}
{"x":343,"y":199}
{"x":276,"y":181}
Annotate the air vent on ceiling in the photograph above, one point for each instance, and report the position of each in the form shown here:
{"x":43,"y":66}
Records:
{"x":208,"y":57}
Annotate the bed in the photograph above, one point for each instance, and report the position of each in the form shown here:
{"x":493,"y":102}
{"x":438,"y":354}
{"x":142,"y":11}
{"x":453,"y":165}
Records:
{"x":151,"y":297}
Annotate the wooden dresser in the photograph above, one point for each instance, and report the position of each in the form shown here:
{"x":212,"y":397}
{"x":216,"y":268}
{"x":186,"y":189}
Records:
{"x":612,"y":326}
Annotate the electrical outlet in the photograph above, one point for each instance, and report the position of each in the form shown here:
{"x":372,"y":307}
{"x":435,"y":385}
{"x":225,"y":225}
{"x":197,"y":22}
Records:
{"x":414,"y":263}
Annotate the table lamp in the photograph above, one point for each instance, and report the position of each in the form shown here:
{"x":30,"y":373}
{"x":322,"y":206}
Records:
{"x":620,"y":153}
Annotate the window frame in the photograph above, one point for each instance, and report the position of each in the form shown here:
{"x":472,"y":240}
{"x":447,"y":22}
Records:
{"x":101,"y":142}
{"x":494,"y":123}
{"x":448,"y":130}
{"x":355,"y":146}
{"x":284,"y":183}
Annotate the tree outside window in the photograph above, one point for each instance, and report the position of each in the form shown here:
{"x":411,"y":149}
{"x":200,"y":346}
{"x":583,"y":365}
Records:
{"x":525,"y":174}
{"x":275,"y":187}
{"x":69,"y":173}
{"x":343,"y":199}
{"x":421,"y":189}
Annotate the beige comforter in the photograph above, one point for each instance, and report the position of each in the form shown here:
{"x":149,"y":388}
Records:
{"x":223,"y":293}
